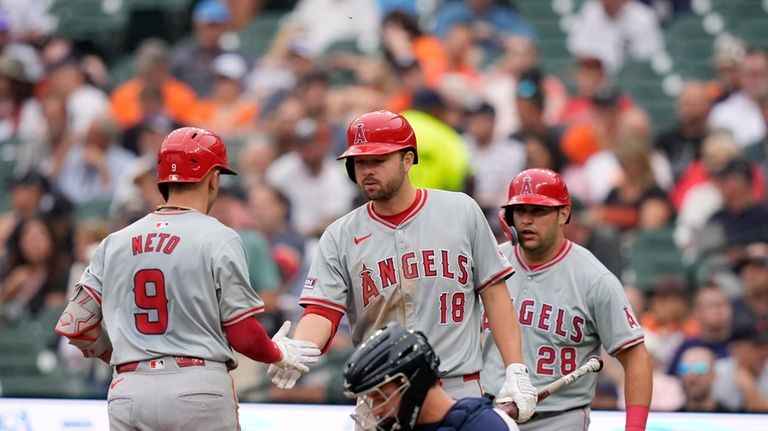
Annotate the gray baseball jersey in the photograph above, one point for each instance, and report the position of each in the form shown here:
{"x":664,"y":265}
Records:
{"x":426,"y":273}
{"x":168,"y":284}
{"x":567,"y":309}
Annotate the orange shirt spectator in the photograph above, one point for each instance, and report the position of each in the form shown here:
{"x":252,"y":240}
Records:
{"x":126,"y":101}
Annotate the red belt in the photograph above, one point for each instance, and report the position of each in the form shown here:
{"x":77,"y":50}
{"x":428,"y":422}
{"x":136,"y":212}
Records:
{"x":181,"y":361}
{"x":473,"y":376}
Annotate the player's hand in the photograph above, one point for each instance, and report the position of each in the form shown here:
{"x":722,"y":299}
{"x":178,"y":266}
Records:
{"x":283,"y":378}
{"x":518,"y":388}
{"x":296,"y":354}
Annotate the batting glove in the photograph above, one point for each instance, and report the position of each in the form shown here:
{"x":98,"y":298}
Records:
{"x":295,"y":356}
{"x":283,"y":378}
{"x":518,"y":388}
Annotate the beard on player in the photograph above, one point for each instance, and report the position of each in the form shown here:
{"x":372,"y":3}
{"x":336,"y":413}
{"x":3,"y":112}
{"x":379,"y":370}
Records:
{"x":378,"y":190}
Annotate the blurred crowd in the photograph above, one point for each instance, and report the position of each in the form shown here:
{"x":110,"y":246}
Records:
{"x":678,"y":214}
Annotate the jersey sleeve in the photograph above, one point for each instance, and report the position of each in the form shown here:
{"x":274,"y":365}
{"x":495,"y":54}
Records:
{"x":616,"y":323}
{"x":326,"y":284}
{"x":237,"y":300}
{"x":490,"y":265}
{"x":93,"y":276}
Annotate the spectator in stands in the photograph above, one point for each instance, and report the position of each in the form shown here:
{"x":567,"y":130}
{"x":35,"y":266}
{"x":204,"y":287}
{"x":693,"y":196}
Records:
{"x":254,"y":159}
{"x":443,"y":157}
{"x":589,"y":77}
{"x":324,"y":23}
{"x":315,"y":184}
{"x":758,"y":152}
{"x":133,"y":197}
{"x":697,"y":374}
{"x":494,"y":162}
{"x":227,"y":111}
{"x":270,"y":212}
{"x":531,"y":103}
{"x":286,"y":61}
{"x":602,"y":241}
{"x":635,"y":184}
{"x":152,"y":71}
{"x":500,"y":85}
{"x":681,"y":144}
{"x":489,"y":21}
{"x":615,"y":31}
{"x":740,"y":112}
{"x":752,"y":307}
{"x":91,"y":167}
{"x":151,"y":101}
{"x":21,"y":115}
{"x":667,"y":322}
{"x":403,"y":43}
{"x":29,"y":21}
{"x":714,"y":314}
{"x":191,"y":60}
{"x":26,"y":193}
{"x":743,"y":218}
{"x":21,"y":51}
{"x":34,"y":275}
{"x":742,"y":378}
{"x":84,"y":102}
{"x":728,"y":55}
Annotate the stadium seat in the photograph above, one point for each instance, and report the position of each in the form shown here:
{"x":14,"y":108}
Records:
{"x":653,"y":255}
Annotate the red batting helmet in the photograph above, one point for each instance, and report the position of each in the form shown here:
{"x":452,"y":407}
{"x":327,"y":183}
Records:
{"x":188,"y":154}
{"x":538,"y":187}
{"x":534,"y":187}
{"x":377,"y":133}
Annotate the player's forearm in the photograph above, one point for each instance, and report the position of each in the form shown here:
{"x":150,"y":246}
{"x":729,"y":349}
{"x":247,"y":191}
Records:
{"x":638,"y":375}
{"x":314,"y":328}
{"x":638,"y":385}
{"x":502,"y":318}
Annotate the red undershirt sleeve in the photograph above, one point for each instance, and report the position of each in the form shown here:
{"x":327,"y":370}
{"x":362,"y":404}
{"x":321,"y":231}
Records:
{"x":249,"y":338}
{"x":332,"y":315}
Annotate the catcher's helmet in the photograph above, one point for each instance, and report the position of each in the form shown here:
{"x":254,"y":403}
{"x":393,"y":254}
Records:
{"x":391,"y":354}
{"x":187,"y":155}
{"x":377,"y":133}
{"x":535,"y":187}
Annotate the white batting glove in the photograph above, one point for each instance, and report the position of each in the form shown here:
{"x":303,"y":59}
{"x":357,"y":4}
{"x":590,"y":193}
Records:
{"x":518,"y":388}
{"x":283,"y":378}
{"x":295,"y":356}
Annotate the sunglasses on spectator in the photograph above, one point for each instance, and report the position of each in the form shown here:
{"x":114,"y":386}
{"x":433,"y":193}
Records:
{"x":697,"y":368}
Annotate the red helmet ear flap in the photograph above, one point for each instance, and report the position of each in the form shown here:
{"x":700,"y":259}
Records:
{"x":507,"y":225}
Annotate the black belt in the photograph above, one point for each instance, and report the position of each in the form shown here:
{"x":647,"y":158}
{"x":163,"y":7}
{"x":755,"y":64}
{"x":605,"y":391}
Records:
{"x":545,"y":415}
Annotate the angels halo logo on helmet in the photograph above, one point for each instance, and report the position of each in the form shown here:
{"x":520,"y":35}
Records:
{"x":392,"y":354}
{"x":535,"y":186}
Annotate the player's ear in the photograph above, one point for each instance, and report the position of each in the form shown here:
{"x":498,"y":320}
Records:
{"x":564,"y":214}
{"x":408,"y":156}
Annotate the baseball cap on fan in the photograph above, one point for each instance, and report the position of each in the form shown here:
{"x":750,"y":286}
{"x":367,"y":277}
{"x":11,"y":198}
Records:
{"x":211,"y":11}
{"x":230,"y":65}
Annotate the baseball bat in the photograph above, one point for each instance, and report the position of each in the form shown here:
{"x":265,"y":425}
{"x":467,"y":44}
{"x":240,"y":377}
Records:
{"x":593,"y":365}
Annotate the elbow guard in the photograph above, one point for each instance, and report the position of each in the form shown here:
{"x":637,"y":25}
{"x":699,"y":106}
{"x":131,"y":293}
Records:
{"x":81,"y":324}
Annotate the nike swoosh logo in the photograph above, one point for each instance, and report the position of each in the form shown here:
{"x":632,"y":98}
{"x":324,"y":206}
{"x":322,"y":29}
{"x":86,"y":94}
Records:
{"x":112,"y":386}
{"x":359,"y":239}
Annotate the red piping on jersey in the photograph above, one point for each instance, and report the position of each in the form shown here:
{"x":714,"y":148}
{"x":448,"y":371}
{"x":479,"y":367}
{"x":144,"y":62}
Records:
{"x":173,"y":212}
{"x":564,"y":249}
{"x":243,"y":315}
{"x":323,"y":303}
{"x":420,"y":201}
{"x":503,"y":274}
{"x":93,"y":293}
{"x":628,"y":344}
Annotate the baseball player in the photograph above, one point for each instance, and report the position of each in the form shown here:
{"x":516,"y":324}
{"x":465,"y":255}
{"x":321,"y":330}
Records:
{"x":166,"y":299}
{"x":420,"y":257}
{"x":394,"y":374}
{"x":568,"y":304}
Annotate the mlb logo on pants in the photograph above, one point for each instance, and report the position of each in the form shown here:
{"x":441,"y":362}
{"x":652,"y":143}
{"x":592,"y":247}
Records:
{"x":156,"y":364}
